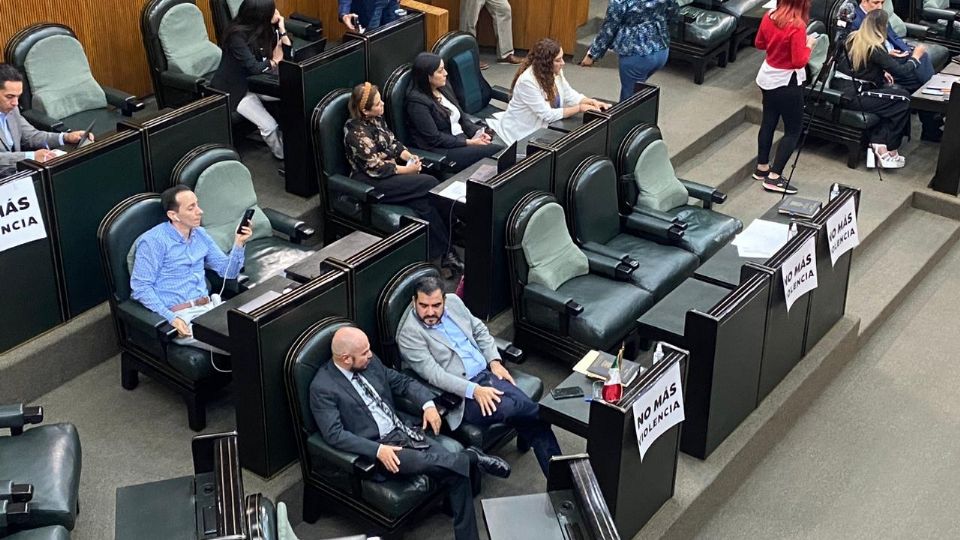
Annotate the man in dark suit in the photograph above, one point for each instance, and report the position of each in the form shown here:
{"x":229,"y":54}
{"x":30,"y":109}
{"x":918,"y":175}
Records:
{"x":18,"y":139}
{"x":453,"y":350}
{"x":352,"y":400}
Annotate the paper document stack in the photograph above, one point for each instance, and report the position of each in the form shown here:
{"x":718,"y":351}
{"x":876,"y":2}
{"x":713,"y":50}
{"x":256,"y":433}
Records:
{"x":761,"y":239}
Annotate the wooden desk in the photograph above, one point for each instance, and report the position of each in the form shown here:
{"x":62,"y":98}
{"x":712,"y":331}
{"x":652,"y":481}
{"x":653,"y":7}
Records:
{"x":309,"y":267}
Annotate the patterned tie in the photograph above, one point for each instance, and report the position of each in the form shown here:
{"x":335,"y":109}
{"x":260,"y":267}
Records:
{"x":378,"y":401}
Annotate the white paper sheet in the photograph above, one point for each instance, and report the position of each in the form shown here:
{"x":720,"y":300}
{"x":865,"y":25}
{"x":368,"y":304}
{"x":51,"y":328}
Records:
{"x":761,"y":239}
{"x":772,"y":4}
{"x":455,"y":191}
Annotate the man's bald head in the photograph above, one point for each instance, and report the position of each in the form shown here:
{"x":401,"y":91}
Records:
{"x":351,"y":348}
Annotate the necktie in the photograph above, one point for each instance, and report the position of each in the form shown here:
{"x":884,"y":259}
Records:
{"x":5,"y":131}
{"x":378,"y":402}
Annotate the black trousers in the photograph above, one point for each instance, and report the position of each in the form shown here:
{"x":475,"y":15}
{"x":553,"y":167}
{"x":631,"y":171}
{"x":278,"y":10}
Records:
{"x":464,"y":156}
{"x":784,"y":102}
{"x":892,"y":105}
{"x":413,"y":190}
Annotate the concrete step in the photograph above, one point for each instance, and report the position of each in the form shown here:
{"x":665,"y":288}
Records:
{"x":727,"y":161}
{"x":894,"y":263}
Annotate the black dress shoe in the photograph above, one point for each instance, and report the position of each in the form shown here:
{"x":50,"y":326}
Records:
{"x":452,"y":261}
{"x":491,"y":465}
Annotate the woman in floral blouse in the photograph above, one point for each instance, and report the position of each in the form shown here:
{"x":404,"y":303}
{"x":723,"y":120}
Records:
{"x":639,"y":32}
{"x":379,"y":159}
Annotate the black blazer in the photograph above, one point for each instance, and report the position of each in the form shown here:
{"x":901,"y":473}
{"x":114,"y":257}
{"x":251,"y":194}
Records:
{"x":429,"y":122}
{"x":342,"y":417}
{"x":238,"y":62}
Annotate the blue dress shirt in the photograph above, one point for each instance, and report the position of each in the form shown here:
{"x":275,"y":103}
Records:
{"x":472,"y":358}
{"x":168,"y":268}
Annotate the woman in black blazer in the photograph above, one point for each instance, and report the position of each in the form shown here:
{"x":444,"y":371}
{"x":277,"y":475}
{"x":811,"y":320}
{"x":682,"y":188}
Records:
{"x":252,"y":44}
{"x":435,"y":120}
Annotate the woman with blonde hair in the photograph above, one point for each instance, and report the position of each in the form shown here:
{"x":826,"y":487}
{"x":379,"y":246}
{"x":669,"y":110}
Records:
{"x":865,"y":75}
{"x":541,"y":95}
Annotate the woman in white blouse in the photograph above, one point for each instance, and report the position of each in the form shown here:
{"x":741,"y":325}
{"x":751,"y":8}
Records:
{"x":541,"y":95}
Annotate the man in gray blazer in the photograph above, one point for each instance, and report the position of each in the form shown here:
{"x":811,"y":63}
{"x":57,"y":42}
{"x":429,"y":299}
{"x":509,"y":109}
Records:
{"x":18,"y":139}
{"x":453,"y":350}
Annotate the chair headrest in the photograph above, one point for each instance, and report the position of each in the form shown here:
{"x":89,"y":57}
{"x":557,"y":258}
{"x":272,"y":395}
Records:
{"x":394,"y":97}
{"x":307,"y":355}
{"x":198,"y":160}
{"x":394,"y":302}
{"x":329,"y":118}
{"x":634,"y":144}
{"x":120,"y":228}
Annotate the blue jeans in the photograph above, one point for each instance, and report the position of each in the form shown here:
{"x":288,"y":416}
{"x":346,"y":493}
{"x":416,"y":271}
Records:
{"x":638,"y":68}
{"x":374,"y":13}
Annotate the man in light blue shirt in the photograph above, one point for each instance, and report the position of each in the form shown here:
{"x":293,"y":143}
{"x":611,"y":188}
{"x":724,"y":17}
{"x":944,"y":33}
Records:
{"x":168,"y":269}
{"x":17,"y":136}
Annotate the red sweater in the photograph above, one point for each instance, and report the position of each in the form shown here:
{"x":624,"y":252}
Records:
{"x":786,"y":47}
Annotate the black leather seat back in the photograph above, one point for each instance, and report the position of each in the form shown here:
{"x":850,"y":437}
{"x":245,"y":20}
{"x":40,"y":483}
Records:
{"x":118,"y":231}
{"x":592,"y":203}
{"x":461,"y":57}
{"x":327,"y":123}
{"x":19,"y":46}
{"x":394,"y":99}
{"x":221,"y":15}
{"x":306,"y":356}
{"x":516,"y":227}
{"x":630,"y":150}
{"x":192,"y":165}
{"x":394,"y":302}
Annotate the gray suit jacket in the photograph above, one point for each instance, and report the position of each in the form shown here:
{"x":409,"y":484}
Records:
{"x":432,"y":356}
{"x":25,"y":138}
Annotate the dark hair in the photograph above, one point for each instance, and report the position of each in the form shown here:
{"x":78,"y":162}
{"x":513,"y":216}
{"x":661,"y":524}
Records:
{"x":355,"y":107}
{"x":540,"y":60}
{"x":168,"y":199}
{"x":424,"y":66}
{"x":9,"y":73}
{"x":427,"y":285}
{"x":253,"y":24}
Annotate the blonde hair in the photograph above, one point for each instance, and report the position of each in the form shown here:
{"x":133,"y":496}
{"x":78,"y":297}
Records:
{"x":872,"y":34}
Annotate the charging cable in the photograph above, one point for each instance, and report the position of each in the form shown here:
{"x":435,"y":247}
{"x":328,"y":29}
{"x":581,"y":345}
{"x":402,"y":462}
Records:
{"x":217,"y":299}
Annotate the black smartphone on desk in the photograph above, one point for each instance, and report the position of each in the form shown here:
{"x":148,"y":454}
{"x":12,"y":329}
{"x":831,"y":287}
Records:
{"x":245,"y":221}
{"x":566,"y":392}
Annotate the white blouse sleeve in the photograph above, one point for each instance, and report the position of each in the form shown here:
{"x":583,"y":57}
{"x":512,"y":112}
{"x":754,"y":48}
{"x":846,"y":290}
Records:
{"x":568,"y":96}
{"x":528,"y":93}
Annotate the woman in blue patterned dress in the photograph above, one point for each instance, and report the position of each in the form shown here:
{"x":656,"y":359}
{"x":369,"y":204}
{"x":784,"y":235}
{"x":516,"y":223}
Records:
{"x":639,"y":32}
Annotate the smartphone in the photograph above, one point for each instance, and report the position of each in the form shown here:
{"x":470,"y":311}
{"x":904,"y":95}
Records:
{"x":566,"y":392}
{"x":245,"y":221}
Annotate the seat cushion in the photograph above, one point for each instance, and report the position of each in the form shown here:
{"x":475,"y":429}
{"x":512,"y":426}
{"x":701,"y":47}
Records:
{"x":183,"y":37}
{"x":192,"y":362}
{"x":226,"y":189}
{"x":43,"y":533}
{"x":48,"y":457}
{"x":386,"y":217}
{"x":60,"y":78}
{"x":551,"y":255}
{"x":662,"y":267}
{"x":738,"y":7}
{"x":656,"y":181}
{"x":270,"y":256}
{"x":709,"y":28}
{"x":707,"y":231}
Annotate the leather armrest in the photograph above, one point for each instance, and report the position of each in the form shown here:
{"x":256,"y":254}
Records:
{"x":127,"y":103}
{"x":305,"y":30}
{"x":135,"y":314}
{"x":291,"y":227}
{"x":354,"y":188}
{"x":830,"y":95}
{"x":608,"y":266}
{"x":432,"y":160}
{"x":15,"y":416}
{"x":500,"y":93}
{"x":620,"y":256}
{"x":915,"y":30}
{"x":508,"y":351}
{"x":345,"y":461}
{"x":182,"y":81}
{"x":937,"y":14}
{"x":42,"y":121}
{"x":9,"y":491}
{"x":13,"y":513}
{"x":552,"y":299}
{"x":639,"y":223}
{"x":268,"y":85}
{"x":662,"y":216}
{"x":704,"y":193}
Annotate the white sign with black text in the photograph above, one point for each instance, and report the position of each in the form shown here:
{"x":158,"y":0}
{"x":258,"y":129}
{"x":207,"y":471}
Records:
{"x":658,"y":409}
{"x":842,"y":232}
{"x":20,"y":217}
{"x":799,"y":272}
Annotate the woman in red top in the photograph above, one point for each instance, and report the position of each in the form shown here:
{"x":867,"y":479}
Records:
{"x":783,"y":35}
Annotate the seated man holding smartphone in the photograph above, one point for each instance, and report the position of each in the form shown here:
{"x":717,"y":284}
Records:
{"x":168,"y":269}
{"x":453,"y":350}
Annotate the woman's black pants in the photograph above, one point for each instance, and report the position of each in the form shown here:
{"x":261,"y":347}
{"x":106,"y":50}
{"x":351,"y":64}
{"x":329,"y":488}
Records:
{"x":784,"y":102}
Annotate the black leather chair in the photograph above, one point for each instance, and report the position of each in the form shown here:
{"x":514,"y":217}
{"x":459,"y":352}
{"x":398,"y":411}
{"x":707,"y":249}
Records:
{"x":145,"y":338}
{"x":394,"y":100}
{"x":14,"y":514}
{"x":566,"y":301}
{"x":340,"y":481}
{"x":346,"y":202}
{"x":225,"y":189}
{"x":461,"y":57}
{"x":701,"y":37}
{"x":644,"y":165}
{"x":394,"y":303}
{"x":939,"y":17}
{"x":306,"y":33}
{"x":181,"y":57}
{"x":55,"y":66}
{"x":39,"y":466}
{"x":635,"y":239}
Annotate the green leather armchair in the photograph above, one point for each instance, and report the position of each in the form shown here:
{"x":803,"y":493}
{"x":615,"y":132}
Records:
{"x":566,"y":301}
{"x":181,"y":57}
{"x":55,"y":532}
{"x":145,"y":338}
{"x":650,"y":184}
{"x":338,"y":480}
{"x":394,"y":100}
{"x":39,"y":474}
{"x":701,"y":37}
{"x":393,"y":304}
{"x":59,"y":93}
{"x":461,"y":56}
{"x":636,"y":240}
{"x":225,"y":189}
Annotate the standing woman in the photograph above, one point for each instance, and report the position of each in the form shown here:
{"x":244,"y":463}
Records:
{"x":783,"y":34}
{"x":436,"y":121}
{"x":252,"y":44}
{"x":639,"y":32}
{"x":379,"y":159}
{"x":865,"y":75}
{"x":541,"y":95}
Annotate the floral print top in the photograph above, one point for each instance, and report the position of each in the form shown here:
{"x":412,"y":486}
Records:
{"x":371,"y":147}
{"x":635,"y":27}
